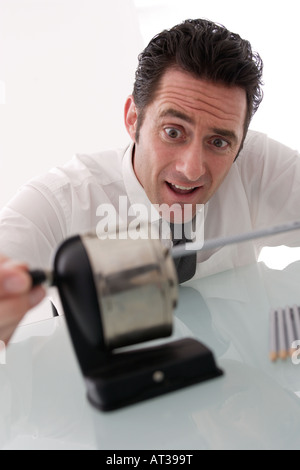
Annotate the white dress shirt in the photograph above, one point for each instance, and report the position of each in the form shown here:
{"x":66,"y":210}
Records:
{"x":262,"y":189}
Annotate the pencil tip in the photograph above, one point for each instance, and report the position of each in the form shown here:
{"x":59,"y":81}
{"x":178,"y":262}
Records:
{"x":283,"y":354}
{"x":273,"y":356}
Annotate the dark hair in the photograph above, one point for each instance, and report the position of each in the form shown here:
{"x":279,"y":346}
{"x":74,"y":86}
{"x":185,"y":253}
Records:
{"x":208,"y":51}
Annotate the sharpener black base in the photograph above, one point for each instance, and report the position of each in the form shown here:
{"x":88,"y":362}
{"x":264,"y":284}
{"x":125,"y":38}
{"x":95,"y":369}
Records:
{"x":129,"y":377}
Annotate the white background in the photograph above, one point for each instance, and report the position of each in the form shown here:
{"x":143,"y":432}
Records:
{"x":66,"y":67}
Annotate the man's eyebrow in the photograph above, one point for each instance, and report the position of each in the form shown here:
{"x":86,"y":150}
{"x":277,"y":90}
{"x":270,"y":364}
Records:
{"x":225,"y":133}
{"x":175,"y":113}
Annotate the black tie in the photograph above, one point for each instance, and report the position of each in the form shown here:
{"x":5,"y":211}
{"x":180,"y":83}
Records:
{"x":186,"y":265}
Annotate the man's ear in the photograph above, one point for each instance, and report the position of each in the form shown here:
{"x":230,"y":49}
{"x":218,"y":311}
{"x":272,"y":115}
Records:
{"x":130,"y":117}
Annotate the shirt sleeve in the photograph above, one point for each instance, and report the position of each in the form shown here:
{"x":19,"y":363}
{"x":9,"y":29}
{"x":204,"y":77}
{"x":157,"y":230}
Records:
{"x":31,"y":227}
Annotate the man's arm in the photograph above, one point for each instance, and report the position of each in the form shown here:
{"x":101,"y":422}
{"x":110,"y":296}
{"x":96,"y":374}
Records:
{"x":31,"y":227}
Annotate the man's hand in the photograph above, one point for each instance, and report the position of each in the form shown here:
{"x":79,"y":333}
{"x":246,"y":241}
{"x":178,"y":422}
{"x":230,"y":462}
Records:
{"x":16,"y":296}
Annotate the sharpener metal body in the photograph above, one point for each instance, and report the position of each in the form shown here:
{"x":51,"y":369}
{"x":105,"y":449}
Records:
{"x":137,"y":288}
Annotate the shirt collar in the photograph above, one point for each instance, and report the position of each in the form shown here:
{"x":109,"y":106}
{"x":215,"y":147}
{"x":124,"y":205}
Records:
{"x":134,"y":189}
{"x":138,"y":199}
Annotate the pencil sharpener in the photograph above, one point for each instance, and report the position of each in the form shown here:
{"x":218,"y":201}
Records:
{"x":117,"y":293}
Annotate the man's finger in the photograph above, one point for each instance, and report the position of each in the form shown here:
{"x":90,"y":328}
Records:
{"x":13,"y":280}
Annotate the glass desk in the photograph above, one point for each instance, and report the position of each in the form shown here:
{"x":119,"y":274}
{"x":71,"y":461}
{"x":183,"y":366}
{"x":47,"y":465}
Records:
{"x":254,"y":405}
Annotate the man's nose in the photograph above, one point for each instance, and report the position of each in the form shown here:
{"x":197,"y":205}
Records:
{"x":191,"y":163}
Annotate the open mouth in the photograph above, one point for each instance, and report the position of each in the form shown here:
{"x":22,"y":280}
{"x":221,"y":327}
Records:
{"x":178,"y":189}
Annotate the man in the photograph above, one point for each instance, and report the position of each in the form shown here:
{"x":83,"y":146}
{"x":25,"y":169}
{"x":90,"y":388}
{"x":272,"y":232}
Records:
{"x":197,"y":87}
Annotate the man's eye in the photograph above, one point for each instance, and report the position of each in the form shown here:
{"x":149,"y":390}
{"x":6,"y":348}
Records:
{"x":219,"y":143}
{"x":172,"y":132}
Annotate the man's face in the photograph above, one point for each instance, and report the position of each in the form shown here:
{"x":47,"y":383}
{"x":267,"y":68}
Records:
{"x":189,"y":138}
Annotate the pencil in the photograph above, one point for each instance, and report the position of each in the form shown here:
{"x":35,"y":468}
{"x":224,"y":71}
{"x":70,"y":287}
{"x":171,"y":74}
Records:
{"x":282,"y":347}
{"x":296,"y":318}
{"x":291,"y":335}
{"x":273,"y":345}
